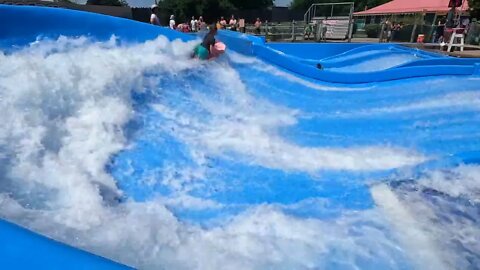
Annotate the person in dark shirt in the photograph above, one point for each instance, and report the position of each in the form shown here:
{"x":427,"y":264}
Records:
{"x":439,"y":31}
{"x":396,"y":28}
{"x":209,"y":39}
{"x":203,"y":50}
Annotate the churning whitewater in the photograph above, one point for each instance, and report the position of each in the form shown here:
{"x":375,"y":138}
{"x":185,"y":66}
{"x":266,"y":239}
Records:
{"x":138,"y":153}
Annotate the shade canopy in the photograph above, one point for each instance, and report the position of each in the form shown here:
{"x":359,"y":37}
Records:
{"x":411,"y":6}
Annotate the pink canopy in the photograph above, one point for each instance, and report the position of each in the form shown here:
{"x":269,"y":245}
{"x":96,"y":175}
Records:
{"x":411,"y":6}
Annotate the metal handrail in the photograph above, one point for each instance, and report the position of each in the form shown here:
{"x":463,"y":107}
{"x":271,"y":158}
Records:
{"x":308,"y":17}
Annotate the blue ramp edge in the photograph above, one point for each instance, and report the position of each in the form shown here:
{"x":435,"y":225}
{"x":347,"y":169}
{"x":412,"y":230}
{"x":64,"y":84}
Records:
{"x":300,"y":61}
{"x":23,"y":249}
{"x":25,"y":24}
{"x":53,"y":22}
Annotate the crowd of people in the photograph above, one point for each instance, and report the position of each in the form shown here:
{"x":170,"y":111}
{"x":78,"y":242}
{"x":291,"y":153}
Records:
{"x":390,"y":30}
{"x":444,"y":27}
{"x":195,"y":25}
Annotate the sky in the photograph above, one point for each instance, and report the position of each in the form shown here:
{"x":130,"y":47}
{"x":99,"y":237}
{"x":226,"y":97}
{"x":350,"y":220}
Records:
{"x":282,"y":3}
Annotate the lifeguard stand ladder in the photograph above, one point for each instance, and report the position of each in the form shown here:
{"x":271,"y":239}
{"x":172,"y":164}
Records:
{"x":457,"y":36}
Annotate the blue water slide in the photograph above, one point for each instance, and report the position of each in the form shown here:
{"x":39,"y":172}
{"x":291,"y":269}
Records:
{"x":52,"y":23}
{"x":24,"y":249}
{"x":365,"y":52}
{"x":338,"y":68}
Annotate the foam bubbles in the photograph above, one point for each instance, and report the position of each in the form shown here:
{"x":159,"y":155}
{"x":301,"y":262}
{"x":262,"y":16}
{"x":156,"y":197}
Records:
{"x":65,"y":104}
{"x":438,"y":209}
{"x":63,"y":119}
{"x":250,"y":128}
{"x":148,"y":236}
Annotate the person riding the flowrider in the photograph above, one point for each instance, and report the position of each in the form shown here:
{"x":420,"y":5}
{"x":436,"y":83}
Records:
{"x":208,"y":48}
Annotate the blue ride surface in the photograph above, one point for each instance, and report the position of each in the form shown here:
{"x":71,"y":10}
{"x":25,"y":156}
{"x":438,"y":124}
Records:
{"x":317,"y":127}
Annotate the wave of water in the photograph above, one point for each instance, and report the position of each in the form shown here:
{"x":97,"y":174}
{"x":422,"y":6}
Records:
{"x":140,"y":154}
{"x":387,"y":61}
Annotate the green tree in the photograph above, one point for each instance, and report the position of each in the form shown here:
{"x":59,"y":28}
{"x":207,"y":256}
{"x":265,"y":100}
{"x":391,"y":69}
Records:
{"x":251,"y":4}
{"x":211,"y":9}
{"x":108,"y":2}
{"x":359,"y":4}
{"x":474,"y":8}
{"x":305,"y":4}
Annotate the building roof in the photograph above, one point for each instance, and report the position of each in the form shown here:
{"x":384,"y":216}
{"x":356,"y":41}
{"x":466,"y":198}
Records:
{"x":410,"y":6}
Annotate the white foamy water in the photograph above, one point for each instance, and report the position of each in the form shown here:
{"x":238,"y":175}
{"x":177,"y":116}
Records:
{"x":64,"y":104}
{"x":63,"y":118}
{"x":464,"y":181}
{"x":460,"y":100}
{"x":148,"y":236}
{"x":437,"y":214}
{"x":422,"y":249}
{"x":250,"y":128}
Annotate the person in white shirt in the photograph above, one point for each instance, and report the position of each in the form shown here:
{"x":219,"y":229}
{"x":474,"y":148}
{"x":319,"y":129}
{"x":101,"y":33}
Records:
{"x":241,"y":25}
{"x":154,"y":18}
{"x":172,"y":22}
{"x":193,"y":24}
{"x":233,"y":23}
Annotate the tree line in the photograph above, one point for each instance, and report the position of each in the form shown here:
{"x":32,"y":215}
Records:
{"x":184,"y":9}
{"x":199,"y":6}
{"x":360,"y":5}
{"x":215,"y":8}
{"x":474,"y":8}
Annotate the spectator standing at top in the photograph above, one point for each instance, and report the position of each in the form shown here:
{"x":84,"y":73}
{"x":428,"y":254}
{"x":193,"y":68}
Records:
{"x":241,"y":25}
{"x":193,"y":24}
{"x":308,"y":31}
{"x":186,"y":27}
{"x":258,"y":26}
{"x":387,"y":31}
{"x":396,"y":27}
{"x":172,"y":23}
{"x":223,"y":22}
{"x":439,"y":31}
{"x":201,"y":24}
{"x":324,"y":26}
{"x":233,"y":23}
{"x":154,"y":18}
{"x":465,"y":23}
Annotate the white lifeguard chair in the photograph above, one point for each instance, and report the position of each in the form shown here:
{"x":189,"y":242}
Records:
{"x":458,"y":34}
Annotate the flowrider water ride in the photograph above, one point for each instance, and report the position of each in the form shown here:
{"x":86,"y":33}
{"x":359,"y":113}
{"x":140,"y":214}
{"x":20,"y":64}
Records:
{"x":119,"y":151}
